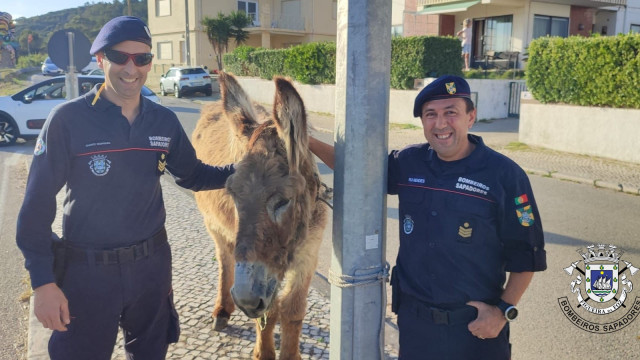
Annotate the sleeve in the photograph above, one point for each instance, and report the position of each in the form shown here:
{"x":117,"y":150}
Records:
{"x":393,"y":169}
{"x":191,"y":173}
{"x":47,"y":176}
{"x":520,"y":226}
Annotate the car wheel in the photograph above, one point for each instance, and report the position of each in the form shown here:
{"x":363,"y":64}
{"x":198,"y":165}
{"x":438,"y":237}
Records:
{"x":8,"y":132}
{"x":176,"y":91}
{"x":162,"y":91}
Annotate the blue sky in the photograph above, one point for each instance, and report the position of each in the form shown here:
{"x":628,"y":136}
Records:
{"x":29,"y":8}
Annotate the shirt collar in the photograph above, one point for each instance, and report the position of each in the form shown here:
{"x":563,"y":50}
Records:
{"x":97,"y":101}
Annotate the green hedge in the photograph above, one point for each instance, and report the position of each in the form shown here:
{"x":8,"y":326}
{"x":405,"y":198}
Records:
{"x":418,"y":57}
{"x":315,"y":63}
{"x":595,"y":71}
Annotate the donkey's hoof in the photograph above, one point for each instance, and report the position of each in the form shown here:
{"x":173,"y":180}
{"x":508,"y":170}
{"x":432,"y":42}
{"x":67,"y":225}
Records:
{"x":219,"y":323}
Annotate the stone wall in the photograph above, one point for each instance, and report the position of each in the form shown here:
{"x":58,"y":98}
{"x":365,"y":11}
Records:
{"x":597,"y":131}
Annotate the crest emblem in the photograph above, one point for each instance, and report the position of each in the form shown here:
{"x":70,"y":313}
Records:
{"x":99,"y":165}
{"x":407,"y":224}
{"x":525,"y":215}
{"x":601,"y":281}
{"x":451,"y":88}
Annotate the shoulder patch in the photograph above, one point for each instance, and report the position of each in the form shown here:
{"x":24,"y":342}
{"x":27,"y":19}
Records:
{"x":40,"y":148}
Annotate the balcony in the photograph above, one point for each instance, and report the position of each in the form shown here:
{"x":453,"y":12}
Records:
{"x":589,"y":3}
{"x":288,"y":22}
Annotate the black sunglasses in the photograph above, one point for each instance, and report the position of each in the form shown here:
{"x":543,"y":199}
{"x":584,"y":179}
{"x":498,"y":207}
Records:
{"x":121,"y":58}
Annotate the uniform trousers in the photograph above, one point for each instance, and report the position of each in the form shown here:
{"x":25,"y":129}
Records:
{"x":423,"y":339}
{"x":134,"y":295}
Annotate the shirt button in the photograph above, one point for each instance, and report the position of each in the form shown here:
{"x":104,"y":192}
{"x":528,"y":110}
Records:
{"x":432,"y":245}
{"x":434,"y":213}
{"x":535,"y":248}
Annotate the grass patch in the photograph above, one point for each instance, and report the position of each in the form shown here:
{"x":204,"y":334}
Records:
{"x":395,"y":126}
{"x":517,"y":146}
{"x":26,"y":294}
{"x":11,"y":81}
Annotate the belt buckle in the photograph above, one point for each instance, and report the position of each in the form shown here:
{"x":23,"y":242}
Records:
{"x":440,"y":316}
{"x":126,"y":254}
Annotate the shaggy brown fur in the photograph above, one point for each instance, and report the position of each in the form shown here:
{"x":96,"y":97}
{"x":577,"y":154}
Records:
{"x":268,"y":223}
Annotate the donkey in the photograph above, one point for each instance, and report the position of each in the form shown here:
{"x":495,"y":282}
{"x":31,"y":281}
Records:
{"x":268,"y":223}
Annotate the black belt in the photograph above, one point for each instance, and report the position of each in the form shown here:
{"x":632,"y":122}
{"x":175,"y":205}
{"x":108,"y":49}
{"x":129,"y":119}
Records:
{"x":438,"y":316}
{"x":117,"y":255}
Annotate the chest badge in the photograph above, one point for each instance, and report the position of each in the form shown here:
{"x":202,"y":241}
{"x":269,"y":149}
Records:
{"x":99,"y":165}
{"x":407,"y":224}
{"x":465,"y":231}
{"x":162,"y":163}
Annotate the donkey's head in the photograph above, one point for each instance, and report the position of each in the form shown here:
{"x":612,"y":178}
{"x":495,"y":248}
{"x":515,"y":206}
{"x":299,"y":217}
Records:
{"x":274,"y":189}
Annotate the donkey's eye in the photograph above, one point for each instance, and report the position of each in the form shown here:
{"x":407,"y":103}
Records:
{"x":277,"y":207}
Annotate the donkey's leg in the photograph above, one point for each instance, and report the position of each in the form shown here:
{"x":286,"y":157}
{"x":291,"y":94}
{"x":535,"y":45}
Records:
{"x":293,"y":310}
{"x":265,"y":347}
{"x":224,"y":305}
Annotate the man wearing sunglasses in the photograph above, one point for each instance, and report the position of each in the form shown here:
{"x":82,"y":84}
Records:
{"x":113,"y":267}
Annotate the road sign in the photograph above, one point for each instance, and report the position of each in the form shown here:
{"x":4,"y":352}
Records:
{"x":58,"y":49}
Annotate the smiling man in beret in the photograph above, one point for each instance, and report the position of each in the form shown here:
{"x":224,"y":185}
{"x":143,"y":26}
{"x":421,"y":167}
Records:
{"x":113,"y":267}
{"x":467,"y":216}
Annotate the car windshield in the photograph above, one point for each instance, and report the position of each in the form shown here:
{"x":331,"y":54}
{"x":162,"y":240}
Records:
{"x":192,"y":71}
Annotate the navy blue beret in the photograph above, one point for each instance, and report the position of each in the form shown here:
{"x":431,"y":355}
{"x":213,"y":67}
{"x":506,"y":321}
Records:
{"x":444,"y":87}
{"x":121,"y":29}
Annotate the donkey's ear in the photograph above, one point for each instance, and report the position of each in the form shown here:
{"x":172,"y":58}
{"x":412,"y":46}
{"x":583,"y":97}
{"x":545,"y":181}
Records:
{"x":291,"y":121}
{"x":237,"y":105}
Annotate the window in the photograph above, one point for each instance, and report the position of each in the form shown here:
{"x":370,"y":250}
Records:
{"x":497,"y":33}
{"x":165,"y":50}
{"x":334,"y":9}
{"x":251,"y":9}
{"x":635,"y":28}
{"x":396,"y":30}
{"x":550,"y":25}
{"x":163,"y":7}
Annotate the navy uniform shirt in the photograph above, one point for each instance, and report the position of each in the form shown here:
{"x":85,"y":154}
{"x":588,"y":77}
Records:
{"x":463,"y":224}
{"x":111,"y":170}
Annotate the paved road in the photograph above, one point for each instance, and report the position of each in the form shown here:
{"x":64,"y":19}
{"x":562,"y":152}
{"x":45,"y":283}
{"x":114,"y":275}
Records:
{"x":13,"y":312}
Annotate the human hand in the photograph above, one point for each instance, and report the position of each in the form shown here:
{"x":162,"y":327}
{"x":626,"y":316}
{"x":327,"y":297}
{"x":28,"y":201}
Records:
{"x":51,"y":307}
{"x":489,"y":322}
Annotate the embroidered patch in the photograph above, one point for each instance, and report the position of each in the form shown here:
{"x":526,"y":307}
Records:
{"x":162,"y":163}
{"x":464,"y":230}
{"x":407,"y":224}
{"x":525,"y":215}
{"x":521,"y":199}
{"x":99,"y":165}
{"x":40,"y":147}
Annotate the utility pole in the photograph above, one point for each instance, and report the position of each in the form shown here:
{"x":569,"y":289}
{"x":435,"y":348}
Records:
{"x":186,"y":37}
{"x":358,"y":265}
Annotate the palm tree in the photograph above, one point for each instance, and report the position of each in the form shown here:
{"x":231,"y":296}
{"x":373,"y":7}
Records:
{"x":221,"y":29}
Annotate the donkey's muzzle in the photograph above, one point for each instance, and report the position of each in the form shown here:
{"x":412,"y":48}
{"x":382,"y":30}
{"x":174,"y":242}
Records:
{"x":254,"y":288}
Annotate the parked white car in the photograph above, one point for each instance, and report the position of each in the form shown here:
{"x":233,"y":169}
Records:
{"x":183,"y":80}
{"x":24,"y":113}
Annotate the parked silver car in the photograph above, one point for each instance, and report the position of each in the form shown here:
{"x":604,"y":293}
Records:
{"x":183,"y":80}
{"x":49,"y":68}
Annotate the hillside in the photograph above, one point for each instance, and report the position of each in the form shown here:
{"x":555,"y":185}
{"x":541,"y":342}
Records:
{"x":88,"y":19}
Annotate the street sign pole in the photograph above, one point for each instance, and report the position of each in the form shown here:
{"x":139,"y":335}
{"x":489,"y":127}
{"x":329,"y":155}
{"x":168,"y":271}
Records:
{"x":71,"y":80}
{"x":358,"y":264}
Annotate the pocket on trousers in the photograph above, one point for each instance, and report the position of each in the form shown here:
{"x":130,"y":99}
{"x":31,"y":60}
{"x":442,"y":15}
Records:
{"x":173,"y":334}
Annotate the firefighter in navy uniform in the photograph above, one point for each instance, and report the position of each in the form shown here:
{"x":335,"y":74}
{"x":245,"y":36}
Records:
{"x":467,"y":216}
{"x":113,"y":267}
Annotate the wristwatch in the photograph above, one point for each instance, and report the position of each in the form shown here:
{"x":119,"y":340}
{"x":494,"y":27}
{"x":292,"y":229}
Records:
{"x":510,"y":311}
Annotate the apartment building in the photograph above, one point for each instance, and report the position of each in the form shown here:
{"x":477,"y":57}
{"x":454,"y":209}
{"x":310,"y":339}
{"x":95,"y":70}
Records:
{"x":180,"y":39}
{"x":508,"y":26}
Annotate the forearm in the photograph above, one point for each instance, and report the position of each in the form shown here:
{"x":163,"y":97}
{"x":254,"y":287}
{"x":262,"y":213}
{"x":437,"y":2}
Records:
{"x":325,"y":152}
{"x":516,"y":286}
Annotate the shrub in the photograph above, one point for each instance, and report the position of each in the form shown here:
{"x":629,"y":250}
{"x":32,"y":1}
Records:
{"x":596,"y":71}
